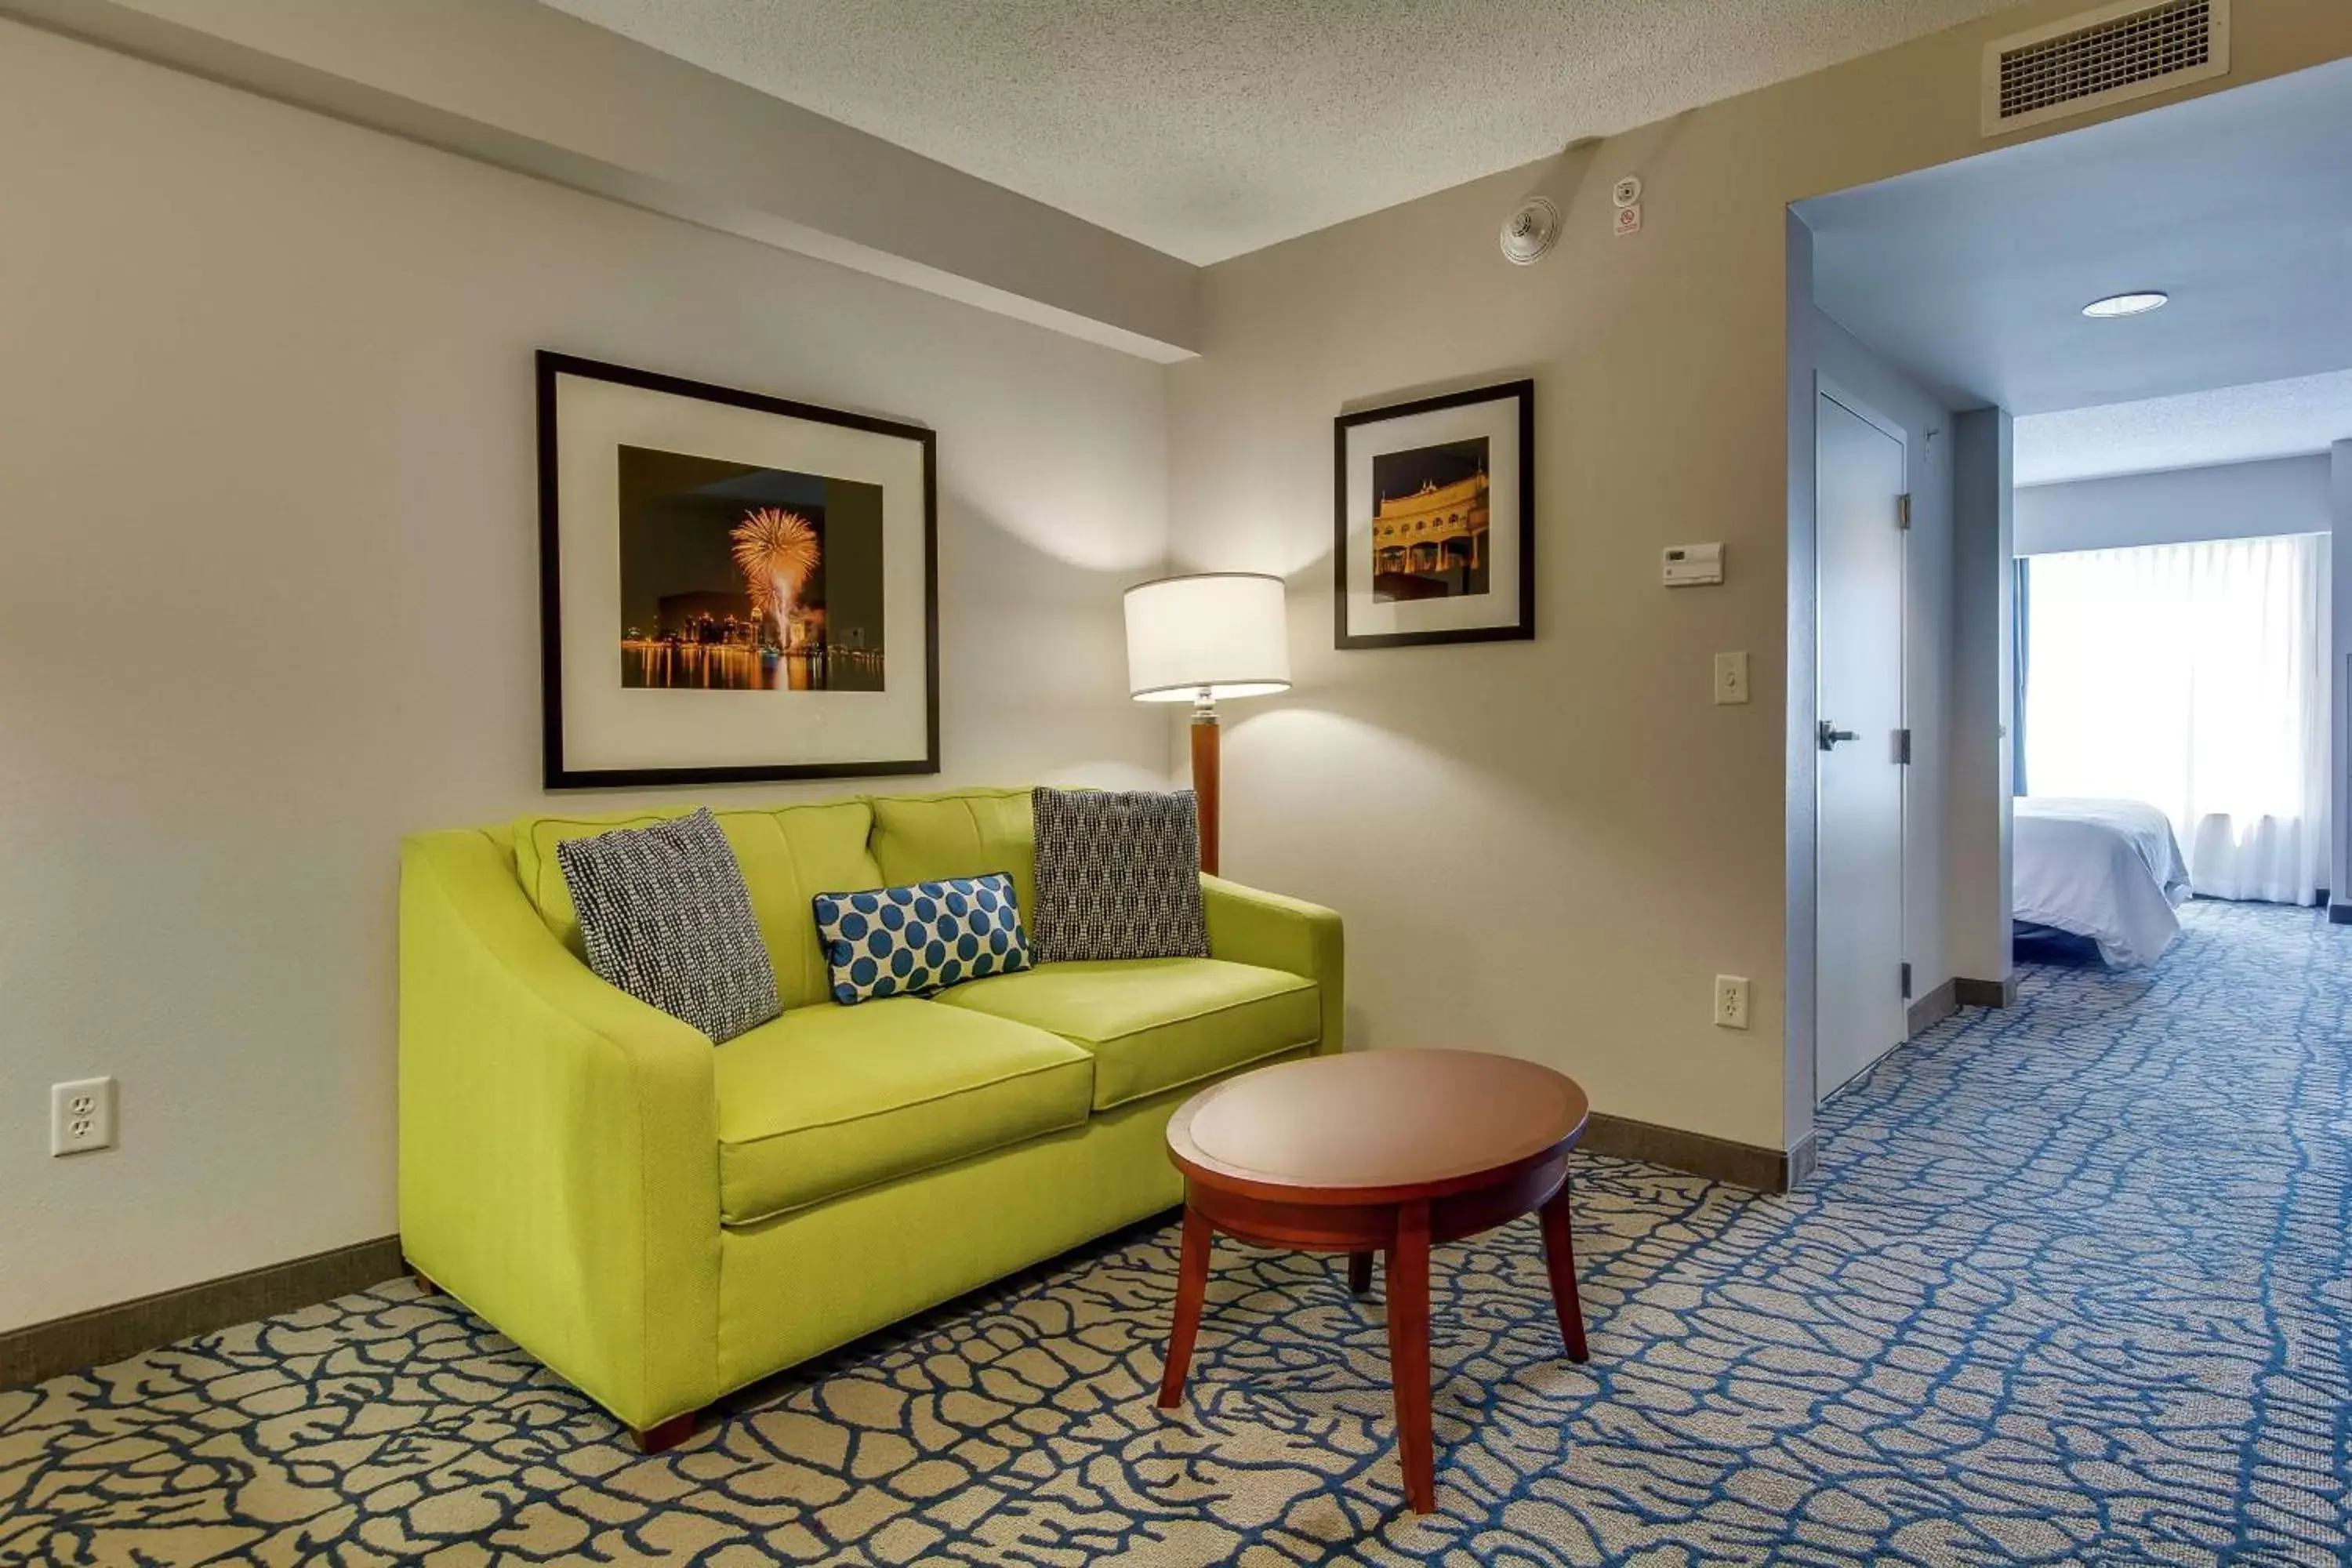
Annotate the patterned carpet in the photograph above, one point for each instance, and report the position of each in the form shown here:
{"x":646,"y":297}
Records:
{"x":2072,"y":1285}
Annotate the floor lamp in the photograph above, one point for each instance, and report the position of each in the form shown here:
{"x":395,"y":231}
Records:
{"x":1196,"y":639}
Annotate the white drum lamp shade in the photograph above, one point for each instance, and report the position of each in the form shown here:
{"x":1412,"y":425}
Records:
{"x":1221,"y":632}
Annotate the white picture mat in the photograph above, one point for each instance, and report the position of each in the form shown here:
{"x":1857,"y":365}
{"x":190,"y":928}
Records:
{"x":1497,"y":419}
{"x":609,"y":726}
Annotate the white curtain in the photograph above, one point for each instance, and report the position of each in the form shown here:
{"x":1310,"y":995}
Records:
{"x":2193,"y":677}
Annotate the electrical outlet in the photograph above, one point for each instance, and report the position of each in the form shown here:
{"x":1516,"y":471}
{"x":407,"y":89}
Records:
{"x":1730,"y":679}
{"x":82,"y":1116}
{"x":1731,"y":1002}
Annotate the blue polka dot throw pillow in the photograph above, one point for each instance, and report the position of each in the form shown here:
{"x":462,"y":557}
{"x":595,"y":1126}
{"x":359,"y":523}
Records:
{"x":924,"y":937}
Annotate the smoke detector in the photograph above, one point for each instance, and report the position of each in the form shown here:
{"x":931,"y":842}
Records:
{"x":1528,"y":232}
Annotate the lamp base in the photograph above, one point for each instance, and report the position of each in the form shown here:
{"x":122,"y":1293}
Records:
{"x":1204,"y":777}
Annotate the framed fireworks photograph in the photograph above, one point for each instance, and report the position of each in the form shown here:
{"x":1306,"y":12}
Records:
{"x":732,"y":586}
{"x":1435,"y":537}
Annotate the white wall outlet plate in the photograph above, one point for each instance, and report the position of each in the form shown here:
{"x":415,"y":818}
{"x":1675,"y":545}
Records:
{"x":1730,"y":679}
{"x":82,"y":1116}
{"x":1731,"y":1002}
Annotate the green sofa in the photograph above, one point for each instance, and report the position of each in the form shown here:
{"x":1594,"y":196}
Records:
{"x":662,"y":1221}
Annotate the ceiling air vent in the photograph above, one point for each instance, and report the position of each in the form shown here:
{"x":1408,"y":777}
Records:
{"x":2101,"y":58}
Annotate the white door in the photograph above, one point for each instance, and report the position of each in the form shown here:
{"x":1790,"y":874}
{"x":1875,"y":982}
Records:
{"x":1859,"y":483}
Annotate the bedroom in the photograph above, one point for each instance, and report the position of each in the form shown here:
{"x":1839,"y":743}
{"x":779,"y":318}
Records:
{"x":2172,"y":663}
{"x":2112,"y":375}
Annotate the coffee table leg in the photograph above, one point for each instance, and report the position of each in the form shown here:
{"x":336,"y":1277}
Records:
{"x":1192,"y":1286}
{"x":1359,"y":1273}
{"x":1408,"y":1297}
{"x":1559,"y":1261}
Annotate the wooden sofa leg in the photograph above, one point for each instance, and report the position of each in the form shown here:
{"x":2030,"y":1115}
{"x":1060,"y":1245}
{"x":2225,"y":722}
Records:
{"x":423,"y":1282}
{"x":666,"y":1436}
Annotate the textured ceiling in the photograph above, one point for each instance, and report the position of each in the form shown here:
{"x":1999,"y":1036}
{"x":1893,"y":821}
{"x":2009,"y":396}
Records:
{"x":2228,"y":425}
{"x":2238,"y":204}
{"x":1208,"y":128}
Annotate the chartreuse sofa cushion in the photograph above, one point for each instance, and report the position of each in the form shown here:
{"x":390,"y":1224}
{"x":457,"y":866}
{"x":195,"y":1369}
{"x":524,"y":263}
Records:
{"x":662,"y":1221}
{"x":827,"y":1099}
{"x":1154,"y":1024}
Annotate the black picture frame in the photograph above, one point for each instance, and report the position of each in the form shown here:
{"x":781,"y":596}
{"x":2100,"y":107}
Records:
{"x":1523,"y":627}
{"x":549,"y":366}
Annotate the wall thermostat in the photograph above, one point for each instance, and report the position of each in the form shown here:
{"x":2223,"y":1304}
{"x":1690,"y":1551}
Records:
{"x":1627,"y":190}
{"x":1692,"y":565}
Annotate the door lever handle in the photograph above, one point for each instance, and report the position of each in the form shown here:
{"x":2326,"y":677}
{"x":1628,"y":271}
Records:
{"x":1830,"y":735}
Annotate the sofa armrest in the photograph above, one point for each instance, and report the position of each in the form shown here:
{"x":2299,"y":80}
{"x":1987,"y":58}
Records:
{"x":1272,"y":931}
{"x":558,"y":1156}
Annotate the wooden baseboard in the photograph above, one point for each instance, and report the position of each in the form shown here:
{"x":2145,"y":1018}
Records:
{"x":44,"y":1351}
{"x":1935,"y":1008}
{"x":2339,"y":914}
{"x":1719,"y":1159}
{"x":2001,"y":992}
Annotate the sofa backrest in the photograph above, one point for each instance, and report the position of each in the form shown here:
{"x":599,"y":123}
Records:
{"x":961,"y":833}
{"x":790,"y":854}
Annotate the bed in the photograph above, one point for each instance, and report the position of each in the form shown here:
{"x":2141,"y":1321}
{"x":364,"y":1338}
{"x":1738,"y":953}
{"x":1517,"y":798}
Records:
{"x":2109,"y":870}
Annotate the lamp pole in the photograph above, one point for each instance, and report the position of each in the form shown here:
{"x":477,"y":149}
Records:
{"x":1205,"y":773}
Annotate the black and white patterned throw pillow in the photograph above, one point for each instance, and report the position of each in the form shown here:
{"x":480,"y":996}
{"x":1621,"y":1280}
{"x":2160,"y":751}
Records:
{"x":666,"y":917}
{"x":1119,"y":876}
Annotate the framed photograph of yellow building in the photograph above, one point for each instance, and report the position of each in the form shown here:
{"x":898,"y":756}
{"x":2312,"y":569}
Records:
{"x":1434,"y":531}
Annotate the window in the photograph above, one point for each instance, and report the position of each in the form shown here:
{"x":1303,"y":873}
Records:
{"x":2192,"y":677}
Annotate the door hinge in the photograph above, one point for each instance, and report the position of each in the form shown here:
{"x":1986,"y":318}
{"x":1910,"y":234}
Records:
{"x":1902,"y":511}
{"x":1903,"y":747}
{"x":1907,"y":983}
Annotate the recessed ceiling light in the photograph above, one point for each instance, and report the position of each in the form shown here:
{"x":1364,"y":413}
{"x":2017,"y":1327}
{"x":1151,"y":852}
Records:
{"x":2115,"y":305}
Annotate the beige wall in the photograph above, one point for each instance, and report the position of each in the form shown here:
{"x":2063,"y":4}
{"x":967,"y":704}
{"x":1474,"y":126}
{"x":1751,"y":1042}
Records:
{"x":1550,"y":847}
{"x":525,"y":86}
{"x":269,"y":601}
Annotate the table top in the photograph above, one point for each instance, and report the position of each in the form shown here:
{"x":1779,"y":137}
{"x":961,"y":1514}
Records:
{"x":1350,"y":1125}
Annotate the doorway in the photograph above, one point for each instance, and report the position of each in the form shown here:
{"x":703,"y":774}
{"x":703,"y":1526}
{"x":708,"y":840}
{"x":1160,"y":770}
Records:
{"x":2146,"y":565}
{"x":1862,"y":481}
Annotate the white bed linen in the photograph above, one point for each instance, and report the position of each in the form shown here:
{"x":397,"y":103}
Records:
{"x":2106,"y":869}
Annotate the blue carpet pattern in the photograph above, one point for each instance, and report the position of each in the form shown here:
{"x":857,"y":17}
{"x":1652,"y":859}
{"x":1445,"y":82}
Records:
{"x":2073,"y":1285}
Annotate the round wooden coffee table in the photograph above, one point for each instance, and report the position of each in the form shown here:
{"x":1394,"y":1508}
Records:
{"x":1381,"y":1151}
